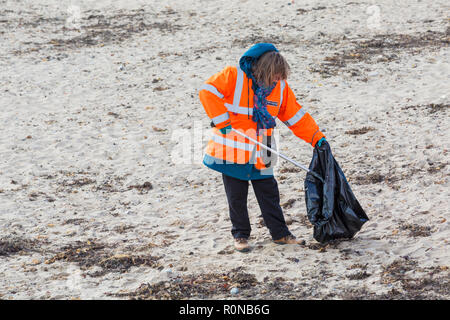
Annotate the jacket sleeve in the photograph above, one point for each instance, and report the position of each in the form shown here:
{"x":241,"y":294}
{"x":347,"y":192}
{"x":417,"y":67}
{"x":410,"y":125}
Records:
{"x":213,"y":94}
{"x":297,"y":119}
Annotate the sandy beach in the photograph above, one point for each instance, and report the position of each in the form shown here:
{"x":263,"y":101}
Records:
{"x":102,"y":187}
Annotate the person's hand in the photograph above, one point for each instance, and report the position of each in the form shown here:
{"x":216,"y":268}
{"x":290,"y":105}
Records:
{"x":319,"y":143}
{"x":226,"y":130}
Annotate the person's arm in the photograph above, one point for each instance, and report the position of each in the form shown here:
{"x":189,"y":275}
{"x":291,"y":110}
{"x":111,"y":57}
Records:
{"x":297,"y":119}
{"x":213,"y":93}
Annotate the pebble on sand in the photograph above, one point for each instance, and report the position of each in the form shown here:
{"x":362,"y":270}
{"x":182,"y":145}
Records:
{"x":234,"y":291}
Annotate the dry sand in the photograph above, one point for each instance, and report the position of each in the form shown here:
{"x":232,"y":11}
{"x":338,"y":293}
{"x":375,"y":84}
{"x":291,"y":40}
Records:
{"x":99,"y":97}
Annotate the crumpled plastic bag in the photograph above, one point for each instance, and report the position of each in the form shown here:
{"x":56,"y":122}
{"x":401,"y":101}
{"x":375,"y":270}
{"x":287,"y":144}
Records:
{"x":331,"y":206}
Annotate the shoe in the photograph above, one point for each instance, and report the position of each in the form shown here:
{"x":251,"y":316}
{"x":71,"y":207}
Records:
{"x":290,"y":239}
{"x":241,"y":245}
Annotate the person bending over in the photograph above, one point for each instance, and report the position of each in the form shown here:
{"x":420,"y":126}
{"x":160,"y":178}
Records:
{"x":248,"y":98}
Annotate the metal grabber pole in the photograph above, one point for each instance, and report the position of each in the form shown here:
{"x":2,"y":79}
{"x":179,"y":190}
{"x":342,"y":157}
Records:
{"x":279,"y":154}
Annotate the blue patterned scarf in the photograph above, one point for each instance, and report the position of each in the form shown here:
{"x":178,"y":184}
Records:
{"x":261,"y":116}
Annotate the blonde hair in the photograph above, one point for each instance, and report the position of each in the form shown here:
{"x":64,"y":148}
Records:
{"x":271,"y":67}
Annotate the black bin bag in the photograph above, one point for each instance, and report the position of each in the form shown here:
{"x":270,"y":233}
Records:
{"x":331,"y":206}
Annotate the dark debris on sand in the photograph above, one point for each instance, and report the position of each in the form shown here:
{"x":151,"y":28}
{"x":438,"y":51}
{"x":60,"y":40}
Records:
{"x":89,"y":254}
{"x":288,"y":204}
{"x":432,"y":108}
{"x":208,"y":285}
{"x":72,"y":181}
{"x":368,"y":178}
{"x":290,"y":169}
{"x":359,"y":275}
{"x":392,"y":178}
{"x":146,"y":186}
{"x":98,"y":29}
{"x":416,"y":230}
{"x":14,"y":245}
{"x":381,"y":48}
{"x":435,"y":283}
{"x":430,"y":283}
{"x":362,"y":130}
{"x":79,"y":182}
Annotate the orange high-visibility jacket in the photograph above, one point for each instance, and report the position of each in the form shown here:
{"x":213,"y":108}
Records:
{"x":228,"y":100}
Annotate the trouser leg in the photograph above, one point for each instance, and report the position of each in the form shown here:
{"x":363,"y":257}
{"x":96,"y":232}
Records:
{"x":268,"y":196}
{"x":237,"y":191}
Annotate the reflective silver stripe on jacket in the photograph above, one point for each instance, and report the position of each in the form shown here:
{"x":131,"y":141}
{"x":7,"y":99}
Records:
{"x":238,"y":87}
{"x":232,"y":143}
{"x":282,"y":85}
{"x":238,"y":109}
{"x":296,"y":118}
{"x":221,"y":118}
{"x":237,"y":96}
{"x":212,"y":89}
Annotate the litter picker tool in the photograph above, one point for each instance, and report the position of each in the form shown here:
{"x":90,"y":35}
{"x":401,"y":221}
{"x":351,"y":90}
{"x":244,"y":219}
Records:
{"x":279,"y":154}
